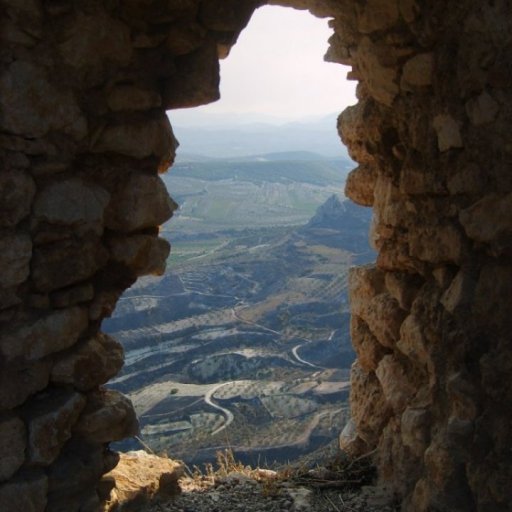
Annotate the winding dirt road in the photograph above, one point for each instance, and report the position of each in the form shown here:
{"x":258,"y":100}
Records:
{"x":226,"y":412}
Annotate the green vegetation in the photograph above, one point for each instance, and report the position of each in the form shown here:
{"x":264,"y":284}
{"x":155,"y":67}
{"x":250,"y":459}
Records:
{"x":321,"y":173}
{"x":224,"y":195}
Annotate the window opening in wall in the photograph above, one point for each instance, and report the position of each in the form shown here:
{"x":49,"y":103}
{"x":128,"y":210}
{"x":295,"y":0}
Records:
{"x":244,"y":342}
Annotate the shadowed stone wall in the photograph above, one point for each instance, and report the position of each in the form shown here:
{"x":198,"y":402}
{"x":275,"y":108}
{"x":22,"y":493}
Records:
{"x":84,"y":86}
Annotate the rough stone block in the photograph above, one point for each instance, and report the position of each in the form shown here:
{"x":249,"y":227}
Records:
{"x":9,"y":297}
{"x":50,"y":418}
{"x":437,"y":244}
{"x":12,"y":445}
{"x":130,"y":97}
{"x":389,"y":204}
{"x":226,"y":15}
{"x":376,"y":15}
{"x":92,"y":41}
{"x":142,"y":254}
{"x":31,"y":106}
{"x":370,"y":411}
{"x":369,"y":351}
{"x":67,"y":262}
{"x":140,"y":477}
{"x":51,"y":333}
{"x":380,"y":80}
{"x":394,"y":256}
{"x":17,"y":189}
{"x":492,"y":306}
{"x":417,"y":71}
{"x":159,"y":12}
{"x":415,"y":429}
{"x":15,"y":255}
{"x":469,"y":179}
{"x":460,"y":292}
{"x":197,"y":79}
{"x":85,"y":461}
{"x":72,"y":296}
{"x":142,"y":202}
{"x":74,"y":203}
{"x":360,"y":185}
{"x":489,"y":221}
{"x":416,"y":180}
{"x":183,"y":39}
{"x":448,"y":132}
{"x":384,"y":318}
{"x":104,"y":303}
{"x":20,"y":381}
{"x":92,"y":363}
{"x":440,"y":462}
{"x":495,"y":368}
{"x":396,"y":386}
{"x":403,"y":287}
{"x":109,"y":416}
{"x":152,"y":138}
{"x":365,"y":282}
{"x":413,"y":342}
{"x":409,"y":9}
{"x":25,"y":494}
{"x":482,"y":109}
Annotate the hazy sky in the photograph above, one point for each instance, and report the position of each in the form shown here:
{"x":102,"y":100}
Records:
{"x":277,"y":68}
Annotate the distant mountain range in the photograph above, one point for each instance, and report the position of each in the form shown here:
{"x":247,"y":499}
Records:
{"x":232,"y":139}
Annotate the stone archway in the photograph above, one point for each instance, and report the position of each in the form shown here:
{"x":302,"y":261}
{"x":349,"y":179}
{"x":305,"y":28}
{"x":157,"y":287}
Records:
{"x":83,"y":92}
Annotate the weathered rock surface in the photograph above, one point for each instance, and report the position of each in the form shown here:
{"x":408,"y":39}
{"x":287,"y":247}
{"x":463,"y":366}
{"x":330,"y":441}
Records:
{"x":139,"y":140}
{"x":12,"y":445}
{"x":109,"y":416}
{"x":51,"y":333}
{"x":15,"y":255}
{"x":83,"y":92}
{"x":86,"y":462}
{"x":61,"y":264}
{"x":22,"y":380}
{"x":141,"y":202}
{"x":17,"y":189}
{"x":52,"y":416}
{"x":49,"y":108}
{"x":140,"y":477}
{"x":72,"y":203}
{"x":142,"y":254}
{"x":93,"y":363}
{"x":488,"y":221}
{"x":27,"y":493}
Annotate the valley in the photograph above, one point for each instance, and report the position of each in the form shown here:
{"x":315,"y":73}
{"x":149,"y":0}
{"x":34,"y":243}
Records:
{"x":244,"y":342}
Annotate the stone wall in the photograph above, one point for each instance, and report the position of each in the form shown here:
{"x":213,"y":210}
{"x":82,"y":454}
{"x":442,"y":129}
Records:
{"x":84,"y":86}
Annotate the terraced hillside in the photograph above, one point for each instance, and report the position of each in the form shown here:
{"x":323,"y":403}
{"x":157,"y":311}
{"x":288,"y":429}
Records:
{"x":245,"y":341}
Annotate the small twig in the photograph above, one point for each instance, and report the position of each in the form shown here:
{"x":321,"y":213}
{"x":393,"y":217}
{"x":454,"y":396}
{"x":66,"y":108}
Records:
{"x":361,"y":457}
{"x":326,"y":484}
{"x":344,"y":505}
{"x":332,"y":504}
{"x":146,"y":447}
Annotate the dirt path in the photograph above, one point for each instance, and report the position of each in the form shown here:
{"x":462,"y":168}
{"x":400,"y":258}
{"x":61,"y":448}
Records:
{"x":226,"y":412}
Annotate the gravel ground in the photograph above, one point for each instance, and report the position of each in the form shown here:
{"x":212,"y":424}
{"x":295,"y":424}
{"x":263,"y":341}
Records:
{"x":238,"y":492}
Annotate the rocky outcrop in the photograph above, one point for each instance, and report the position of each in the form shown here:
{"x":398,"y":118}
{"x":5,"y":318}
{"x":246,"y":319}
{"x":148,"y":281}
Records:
{"x":140,"y":477}
{"x":83,"y":133}
{"x":428,"y":137}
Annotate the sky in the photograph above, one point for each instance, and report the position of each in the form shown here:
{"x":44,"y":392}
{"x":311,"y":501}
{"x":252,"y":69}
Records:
{"x":277,"y":69}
